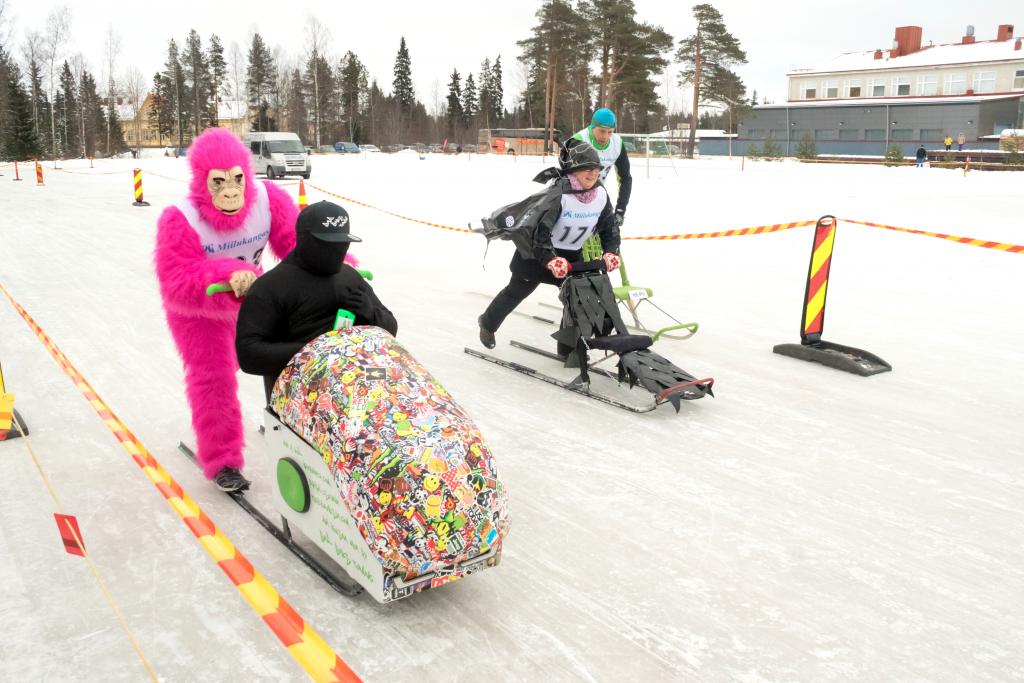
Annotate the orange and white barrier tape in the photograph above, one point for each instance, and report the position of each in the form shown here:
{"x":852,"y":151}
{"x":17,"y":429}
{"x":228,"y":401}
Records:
{"x":302,"y":642}
{"x":758,"y":230}
{"x":972,"y":241}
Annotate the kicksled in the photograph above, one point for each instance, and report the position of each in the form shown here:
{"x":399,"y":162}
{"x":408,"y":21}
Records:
{"x":374,"y":462}
{"x":591,"y":323}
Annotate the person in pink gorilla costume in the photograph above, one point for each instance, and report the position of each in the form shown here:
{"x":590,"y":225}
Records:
{"x":217,"y":234}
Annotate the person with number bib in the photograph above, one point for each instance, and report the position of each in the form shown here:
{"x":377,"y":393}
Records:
{"x":602,"y":136}
{"x":299,"y":300}
{"x":556,"y":224}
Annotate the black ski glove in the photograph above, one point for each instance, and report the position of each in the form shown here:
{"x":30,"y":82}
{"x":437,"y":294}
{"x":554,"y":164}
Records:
{"x":620,"y":216}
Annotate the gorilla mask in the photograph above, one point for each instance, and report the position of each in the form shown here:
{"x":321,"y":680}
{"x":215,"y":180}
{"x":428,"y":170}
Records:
{"x":222,"y":187}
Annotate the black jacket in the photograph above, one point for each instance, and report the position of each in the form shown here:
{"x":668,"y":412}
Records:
{"x":289,"y":306}
{"x":528,"y":222}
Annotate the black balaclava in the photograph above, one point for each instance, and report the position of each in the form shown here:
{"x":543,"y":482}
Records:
{"x":319,"y":257}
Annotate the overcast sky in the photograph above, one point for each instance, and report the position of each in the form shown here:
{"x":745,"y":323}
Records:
{"x":461,"y":33}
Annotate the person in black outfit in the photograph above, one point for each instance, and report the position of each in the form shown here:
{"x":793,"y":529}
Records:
{"x":298,"y":300}
{"x":574,"y":207}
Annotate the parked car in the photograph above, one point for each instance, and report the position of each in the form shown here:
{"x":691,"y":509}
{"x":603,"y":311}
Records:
{"x":469,"y":148}
{"x":391,"y":149}
{"x":420,"y":147}
{"x":373,"y":149}
{"x":326,"y":149}
{"x":452,"y":148}
{"x":278,"y":154}
{"x":435,"y":149}
{"x":346,"y":147}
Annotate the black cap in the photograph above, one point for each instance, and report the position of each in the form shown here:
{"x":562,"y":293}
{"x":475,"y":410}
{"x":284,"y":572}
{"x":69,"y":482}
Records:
{"x":326,"y":221}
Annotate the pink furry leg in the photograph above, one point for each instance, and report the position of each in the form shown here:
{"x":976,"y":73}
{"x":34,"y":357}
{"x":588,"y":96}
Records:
{"x":207,"y":348}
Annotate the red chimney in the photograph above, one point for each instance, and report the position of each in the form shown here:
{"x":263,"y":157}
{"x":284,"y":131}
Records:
{"x":1004,"y":32}
{"x":878,"y":53}
{"x":908,"y":41}
{"x":967,"y":40}
{"x":1016,"y":46}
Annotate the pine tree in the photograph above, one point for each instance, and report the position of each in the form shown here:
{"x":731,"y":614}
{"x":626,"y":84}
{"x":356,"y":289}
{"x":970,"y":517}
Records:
{"x":298,"y":116}
{"x":806,"y":149}
{"x":161,"y":114}
{"x":117,"y":143}
{"x":5,"y":78}
{"x":218,"y":73}
{"x":893,"y":155}
{"x":469,"y":103}
{"x":454,"y":104}
{"x":259,"y":82}
{"x":485,"y":103}
{"x":352,"y":79}
{"x":19,"y":136}
{"x":92,"y":112}
{"x":323,"y":97}
{"x":772,"y":149}
{"x":67,"y":112}
{"x":39,"y":106}
{"x":497,"y":92}
{"x":402,"y":89}
{"x":176,"y":95}
{"x":558,"y":42}
{"x":197,"y":73}
{"x":711,"y":47}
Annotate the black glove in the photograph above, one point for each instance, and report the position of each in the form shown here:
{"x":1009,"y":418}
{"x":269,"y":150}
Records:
{"x":620,"y":216}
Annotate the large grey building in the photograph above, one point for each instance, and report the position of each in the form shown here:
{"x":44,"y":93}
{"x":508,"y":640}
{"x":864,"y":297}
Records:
{"x":912,"y":94}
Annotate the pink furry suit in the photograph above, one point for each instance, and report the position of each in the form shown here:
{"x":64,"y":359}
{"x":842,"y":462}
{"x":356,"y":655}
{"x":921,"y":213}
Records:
{"x":197,"y":245}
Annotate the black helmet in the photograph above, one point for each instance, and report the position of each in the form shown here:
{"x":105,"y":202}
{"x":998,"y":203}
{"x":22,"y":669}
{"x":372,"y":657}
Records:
{"x":576,"y":155}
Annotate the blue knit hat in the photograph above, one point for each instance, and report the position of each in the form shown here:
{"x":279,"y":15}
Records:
{"x":604,"y":118}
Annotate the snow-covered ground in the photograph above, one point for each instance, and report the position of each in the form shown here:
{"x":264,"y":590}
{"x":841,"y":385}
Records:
{"x":806,"y":524}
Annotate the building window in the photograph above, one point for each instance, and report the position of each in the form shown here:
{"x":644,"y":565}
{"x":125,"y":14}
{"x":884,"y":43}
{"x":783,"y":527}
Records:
{"x":756,"y":133}
{"x":830,"y":88}
{"x":956,"y":84}
{"x":824,"y":135}
{"x":849,"y":134}
{"x":853,"y":88}
{"x":927,"y":85}
{"x":877,"y":88}
{"x":798,"y":135}
{"x":984,"y":81}
{"x":901,"y":85}
{"x":931,"y":135}
{"x":808,"y":91}
{"x":1018,"y":80}
{"x":874,"y":134}
{"x":902,"y":134}
{"x":780,"y":134}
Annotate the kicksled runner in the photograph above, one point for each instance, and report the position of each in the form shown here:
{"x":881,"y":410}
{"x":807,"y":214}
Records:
{"x":591,"y":322}
{"x":374,"y":462}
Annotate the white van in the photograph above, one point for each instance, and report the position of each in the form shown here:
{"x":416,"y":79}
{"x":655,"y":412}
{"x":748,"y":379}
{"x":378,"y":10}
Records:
{"x":278,"y":154}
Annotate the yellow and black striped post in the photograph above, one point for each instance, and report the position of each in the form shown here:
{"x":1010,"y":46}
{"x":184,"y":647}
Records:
{"x":812,"y":323}
{"x":8,"y":416}
{"x":137,"y":173}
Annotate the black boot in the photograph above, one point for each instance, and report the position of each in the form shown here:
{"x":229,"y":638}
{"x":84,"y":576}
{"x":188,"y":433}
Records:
{"x":231,"y":480}
{"x":486,"y":336}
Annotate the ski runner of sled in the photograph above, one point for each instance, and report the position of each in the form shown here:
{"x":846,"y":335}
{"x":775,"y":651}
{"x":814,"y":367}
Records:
{"x":549,"y":229}
{"x":218,"y":232}
{"x":602,"y":137}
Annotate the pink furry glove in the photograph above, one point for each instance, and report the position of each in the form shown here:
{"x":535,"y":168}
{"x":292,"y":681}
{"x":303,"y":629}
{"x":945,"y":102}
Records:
{"x":611,"y":261}
{"x":558,"y":266}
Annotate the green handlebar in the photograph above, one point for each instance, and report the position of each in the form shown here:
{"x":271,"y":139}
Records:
{"x":218,"y":287}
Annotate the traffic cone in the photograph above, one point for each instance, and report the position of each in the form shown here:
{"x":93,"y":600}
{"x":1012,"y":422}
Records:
{"x":138,"y":189}
{"x":303,"y":203}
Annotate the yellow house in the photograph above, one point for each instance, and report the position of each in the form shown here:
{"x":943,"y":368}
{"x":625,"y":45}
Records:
{"x":140,"y":132}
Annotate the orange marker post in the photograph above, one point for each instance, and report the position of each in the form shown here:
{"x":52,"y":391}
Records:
{"x":39,"y":174}
{"x":17,"y":177}
{"x":138,"y":189}
{"x":812,"y":347}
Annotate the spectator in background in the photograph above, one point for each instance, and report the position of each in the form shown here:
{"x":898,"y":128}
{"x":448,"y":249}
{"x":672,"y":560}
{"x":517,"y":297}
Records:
{"x":922,"y":154}
{"x":948,"y":142}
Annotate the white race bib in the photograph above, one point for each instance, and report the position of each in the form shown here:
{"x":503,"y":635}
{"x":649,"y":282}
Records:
{"x":246,"y":243}
{"x":577,"y":221}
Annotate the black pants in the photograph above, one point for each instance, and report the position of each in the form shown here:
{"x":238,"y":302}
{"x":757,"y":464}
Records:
{"x":527,"y":275}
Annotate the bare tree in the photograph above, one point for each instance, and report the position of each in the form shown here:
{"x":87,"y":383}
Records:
{"x":58,"y":26}
{"x":112,"y":49}
{"x":135,"y":87}
{"x":317,"y":39}
{"x":78,"y":69}
{"x":32,"y":49}
{"x":237,"y":80}
{"x":4,"y":18}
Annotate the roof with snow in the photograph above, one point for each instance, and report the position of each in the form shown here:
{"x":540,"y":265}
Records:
{"x":889,"y":101}
{"x":927,"y":56}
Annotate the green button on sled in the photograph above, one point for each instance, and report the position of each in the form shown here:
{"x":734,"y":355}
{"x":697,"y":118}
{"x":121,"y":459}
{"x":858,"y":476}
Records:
{"x":291,"y":482}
